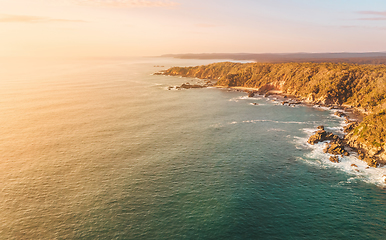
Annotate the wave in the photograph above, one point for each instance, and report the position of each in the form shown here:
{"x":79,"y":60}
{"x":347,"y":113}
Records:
{"x":357,"y":169}
{"x":236,"y":99}
{"x":273,"y":121}
{"x":276,"y":130}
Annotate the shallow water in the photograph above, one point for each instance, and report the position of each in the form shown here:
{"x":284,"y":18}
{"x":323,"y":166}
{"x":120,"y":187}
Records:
{"x":100,"y":149}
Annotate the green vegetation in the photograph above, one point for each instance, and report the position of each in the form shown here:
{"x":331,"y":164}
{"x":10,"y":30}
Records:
{"x":360,"y":86}
{"x":373,"y":129}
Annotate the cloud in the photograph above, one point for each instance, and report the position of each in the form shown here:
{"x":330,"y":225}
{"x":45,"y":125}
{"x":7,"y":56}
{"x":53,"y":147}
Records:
{"x":361,"y":27}
{"x":373,"y":19}
{"x":378,"y":15}
{"x":204,"y":25}
{"x":5,"y":18}
{"x":127,"y":3}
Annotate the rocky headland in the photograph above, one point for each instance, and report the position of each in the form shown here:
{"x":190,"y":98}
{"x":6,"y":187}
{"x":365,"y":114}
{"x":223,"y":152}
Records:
{"x":358,"y":90}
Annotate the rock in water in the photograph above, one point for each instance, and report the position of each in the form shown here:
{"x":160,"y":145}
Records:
{"x":335,"y":148}
{"x":319,"y":136}
{"x":340,"y":114}
{"x":334,"y":159}
{"x":251,"y":94}
{"x":188,"y":86}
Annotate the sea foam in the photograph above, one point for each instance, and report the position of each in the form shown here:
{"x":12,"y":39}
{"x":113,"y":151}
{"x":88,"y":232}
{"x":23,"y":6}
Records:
{"x":356,"y":169}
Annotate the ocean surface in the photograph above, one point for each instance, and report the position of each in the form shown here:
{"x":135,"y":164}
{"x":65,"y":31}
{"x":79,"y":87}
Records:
{"x":101,"y":149}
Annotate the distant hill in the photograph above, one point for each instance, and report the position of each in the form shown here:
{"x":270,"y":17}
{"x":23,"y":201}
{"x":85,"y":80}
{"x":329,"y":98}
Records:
{"x":355,"y":58}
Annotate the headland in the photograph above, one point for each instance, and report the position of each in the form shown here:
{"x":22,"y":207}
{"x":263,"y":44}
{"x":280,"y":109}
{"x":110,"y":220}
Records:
{"x":358,"y":91}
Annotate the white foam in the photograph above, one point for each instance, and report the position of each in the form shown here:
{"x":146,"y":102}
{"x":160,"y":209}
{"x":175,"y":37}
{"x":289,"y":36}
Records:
{"x":236,"y":99}
{"x":273,"y":121}
{"x":276,"y":130}
{"x":255,"y":98}
{"x":320,"y":107}
{"x":356,"y":168}
{"x":336,"y":130}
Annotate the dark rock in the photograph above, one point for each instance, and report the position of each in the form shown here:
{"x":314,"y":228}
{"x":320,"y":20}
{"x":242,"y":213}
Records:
{"x":251,"y":94}
{"x":319,"y":136}
{"x":335,"y":148}
{"x":284,"y":102}
{"x":255,"y":103}
{"x":361,"y":155}
{"x":334,"y":159}
{"x":320,"y":127}
{"x":350,"y":126}
{"x":340,"y":114}
{"x":188,"y":86}
{"x":372,"y":162}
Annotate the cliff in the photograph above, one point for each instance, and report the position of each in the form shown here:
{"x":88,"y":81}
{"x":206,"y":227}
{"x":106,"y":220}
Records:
{"x":359,"y":87}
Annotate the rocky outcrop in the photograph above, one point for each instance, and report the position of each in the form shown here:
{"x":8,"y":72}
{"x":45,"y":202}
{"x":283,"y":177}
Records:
{"x":334,"y":159}
{"x":340,"y":114}
{"x":321,"y":135}
{"x":374,"y":156}
{"x":189,"y":86}
{"x":336,"y":145}
{"x":350,"y":126}
{"x":339,"y":86}
{"x":336,"y":148}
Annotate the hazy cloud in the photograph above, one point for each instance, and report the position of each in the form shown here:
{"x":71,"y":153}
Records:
{"x":373,"y":19}
{"x":362,"y":27}
{"x":204,"y":25}
{"x":5,"y":18}
{"x":128,"y":3}
{"x":378,"y":15}
{"x":374,"y":13}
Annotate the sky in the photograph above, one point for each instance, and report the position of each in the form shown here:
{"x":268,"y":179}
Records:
{"x":125,"y":28}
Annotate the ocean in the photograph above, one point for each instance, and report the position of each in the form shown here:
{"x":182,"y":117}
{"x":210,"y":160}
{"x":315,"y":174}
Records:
{"x":101,"y":149}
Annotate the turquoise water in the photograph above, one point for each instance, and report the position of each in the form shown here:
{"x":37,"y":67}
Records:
{"x":100,"y":149}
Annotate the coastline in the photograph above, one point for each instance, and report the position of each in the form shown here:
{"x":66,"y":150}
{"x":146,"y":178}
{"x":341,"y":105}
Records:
{"x":352,"y":90}
{"x":354,"y":116}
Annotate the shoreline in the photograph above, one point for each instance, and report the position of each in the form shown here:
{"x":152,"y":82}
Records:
{"x":354,"y":116}
{"x":353,"y":113}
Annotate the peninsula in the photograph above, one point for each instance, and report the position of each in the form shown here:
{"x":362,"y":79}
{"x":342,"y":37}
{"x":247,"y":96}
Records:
{"x":357,"y":88}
